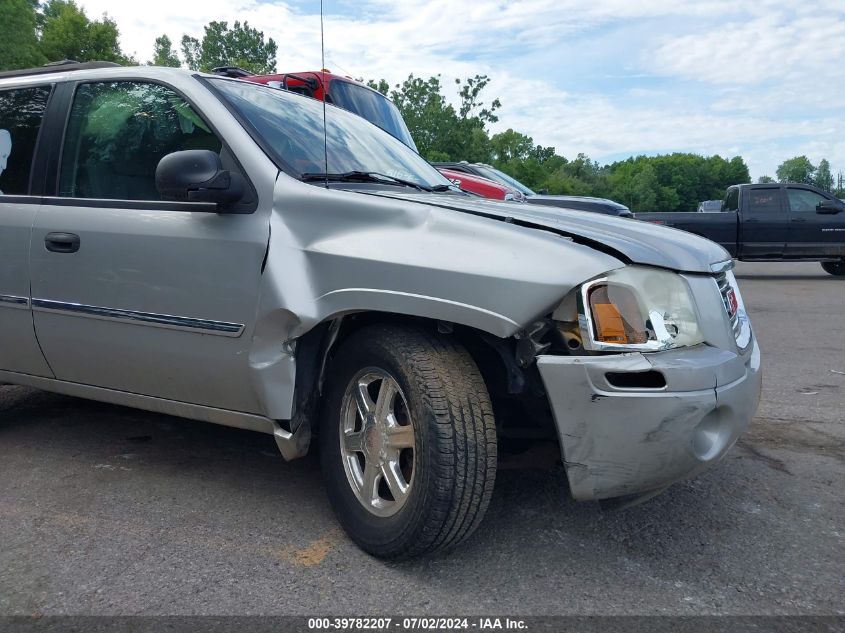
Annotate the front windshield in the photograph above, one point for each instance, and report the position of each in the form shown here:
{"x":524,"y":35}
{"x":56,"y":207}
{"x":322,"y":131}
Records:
{"x":290,"y":128}
{"x":499,"y":176}
{"x":373,"y":106}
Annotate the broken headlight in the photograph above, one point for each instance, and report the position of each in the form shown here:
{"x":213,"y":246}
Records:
{"x":637,"y":309}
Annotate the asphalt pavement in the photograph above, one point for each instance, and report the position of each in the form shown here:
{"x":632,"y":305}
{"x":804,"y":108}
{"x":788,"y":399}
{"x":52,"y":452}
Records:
{"x":108,"y":510}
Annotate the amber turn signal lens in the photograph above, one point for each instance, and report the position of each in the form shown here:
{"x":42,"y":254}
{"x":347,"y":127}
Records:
{"x":610,"y":328}
{"x":617,"y":318}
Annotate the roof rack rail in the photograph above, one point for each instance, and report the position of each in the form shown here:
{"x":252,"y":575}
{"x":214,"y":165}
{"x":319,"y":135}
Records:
{"x":61,"y":66}
{"x":231,"y":71}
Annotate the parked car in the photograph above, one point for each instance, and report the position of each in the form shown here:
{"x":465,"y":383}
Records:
{"x":772,"y":222}
{"x":579,"y":203}
{"x":190,"y":254}
{"x":481,"y":186}
{"x":710,"y":206}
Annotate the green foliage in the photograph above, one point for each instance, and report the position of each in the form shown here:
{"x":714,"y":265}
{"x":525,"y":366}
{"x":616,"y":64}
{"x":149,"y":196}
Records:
{"x":241,"y":46}
{"x":471,"y":106}
{"x":440,"y":131}
{"x":674,"y":182}
{"x":19,"y":46}
{"x":839,"y":188}
{"x":61,"y":30}
{"x":511,"y":146}
{"x":678,"y":182}
{"x":823,"y":179}
{"x":798,"y":169}
{"x":164,"y":54}
{"x":429,"y":117}
{"x":191,"y":51}
{"x":381,"y":86}
{"x":763,"y":180}
{"x":67,"y":33}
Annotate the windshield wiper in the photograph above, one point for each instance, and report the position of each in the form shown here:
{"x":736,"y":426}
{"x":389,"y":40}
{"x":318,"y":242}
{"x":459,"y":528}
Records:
{"x":363,"y":176}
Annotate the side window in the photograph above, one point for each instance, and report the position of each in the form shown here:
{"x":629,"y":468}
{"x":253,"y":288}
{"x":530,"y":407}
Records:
{"x":117,"y":134}
{"x":764,"y":200}
{"x":732,"y":200}
{"x":803,"y":200}
{"x":21,"y":113}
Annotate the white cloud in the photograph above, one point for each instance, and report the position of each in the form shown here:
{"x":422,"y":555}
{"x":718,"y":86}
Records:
{"x":770,"y":48}
{"x":599,"y":126}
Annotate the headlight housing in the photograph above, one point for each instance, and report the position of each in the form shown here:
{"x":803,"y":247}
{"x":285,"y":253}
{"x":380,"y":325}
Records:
{"x":638,"y":309}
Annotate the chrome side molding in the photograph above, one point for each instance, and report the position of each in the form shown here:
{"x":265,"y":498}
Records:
{"x":190,"y":324}
{"x":12,"y":301}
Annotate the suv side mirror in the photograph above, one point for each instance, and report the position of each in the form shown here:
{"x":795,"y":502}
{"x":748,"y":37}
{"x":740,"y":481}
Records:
{"x":197,"y":175}
{"x":830,"y":207}
{"x":543,"y":192}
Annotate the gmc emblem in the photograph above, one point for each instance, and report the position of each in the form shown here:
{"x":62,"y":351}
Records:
{"x":733,"y":304}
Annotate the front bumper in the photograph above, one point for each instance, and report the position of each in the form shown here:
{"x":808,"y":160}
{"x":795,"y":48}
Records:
{"x":621,"y":441}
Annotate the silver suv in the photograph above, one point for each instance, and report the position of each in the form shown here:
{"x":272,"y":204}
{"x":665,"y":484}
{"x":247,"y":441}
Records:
{"x":204,"y":247}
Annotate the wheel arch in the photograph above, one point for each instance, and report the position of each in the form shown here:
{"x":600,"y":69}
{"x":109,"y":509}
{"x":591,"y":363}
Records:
{"x":495,"y":357}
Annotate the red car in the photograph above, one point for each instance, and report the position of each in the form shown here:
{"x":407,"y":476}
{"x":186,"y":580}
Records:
{"x":481,"y":186}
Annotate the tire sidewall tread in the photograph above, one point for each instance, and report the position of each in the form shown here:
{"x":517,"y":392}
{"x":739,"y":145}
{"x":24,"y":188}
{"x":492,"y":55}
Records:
{"x":455,"y":454}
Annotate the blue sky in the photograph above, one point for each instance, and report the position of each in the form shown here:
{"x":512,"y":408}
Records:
{"x":763,"y":79}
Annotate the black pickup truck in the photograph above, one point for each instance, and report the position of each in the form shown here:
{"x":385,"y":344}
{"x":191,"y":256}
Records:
{"x":771,"y":222}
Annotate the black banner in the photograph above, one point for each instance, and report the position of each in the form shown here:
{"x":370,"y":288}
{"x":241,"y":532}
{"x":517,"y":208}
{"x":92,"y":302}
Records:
{"x":401,"y":624}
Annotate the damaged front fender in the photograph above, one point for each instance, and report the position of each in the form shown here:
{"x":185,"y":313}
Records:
{"x":334,"y":253}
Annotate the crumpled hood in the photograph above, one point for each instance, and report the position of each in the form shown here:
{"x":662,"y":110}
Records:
{"x":637,"y":242}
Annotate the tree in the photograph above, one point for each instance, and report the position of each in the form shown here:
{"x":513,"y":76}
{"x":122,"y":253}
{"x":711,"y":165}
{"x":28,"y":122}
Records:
{"x":381,"y":85}
{"x":763,"y":180}
{"x":67,"y":33}
{"x":839,"y":190}
{"x":19,"y":46}
{"x":736,"y":174}
{"x":635,"y":184}
{"x":241,"y":46}
{"x":473,"y":118}
{"x":191,"y":51}
{"x":680,"y":181}
{"x":511,"y":146}
{"x":797,"y":169}
{"x":470,"y":91}
{"x":441,"y":131}
{"x":823,"y":179}
{"x":163,"y":53}
{"x":429,"y":117}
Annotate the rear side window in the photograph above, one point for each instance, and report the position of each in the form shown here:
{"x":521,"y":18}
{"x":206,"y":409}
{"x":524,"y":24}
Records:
{"x":21,"y":113}
{"x":373,"y":106}
{"x":764,"y":200}
{"x":117,"y":134}
{"x":732,"y":200}
{"x":803,"y":200}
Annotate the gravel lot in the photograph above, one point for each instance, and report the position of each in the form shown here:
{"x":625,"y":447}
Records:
{"x":106,"y":510}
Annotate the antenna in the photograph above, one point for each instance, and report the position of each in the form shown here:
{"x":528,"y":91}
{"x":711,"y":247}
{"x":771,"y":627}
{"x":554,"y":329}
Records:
{"x":325,"y":129}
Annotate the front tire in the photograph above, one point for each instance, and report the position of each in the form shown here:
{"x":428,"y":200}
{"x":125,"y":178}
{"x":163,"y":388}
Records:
{"x":837,"y":269}
{"x":407,"y":441}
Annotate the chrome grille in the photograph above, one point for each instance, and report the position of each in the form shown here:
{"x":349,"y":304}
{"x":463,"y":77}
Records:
{"x":724,"y":286}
